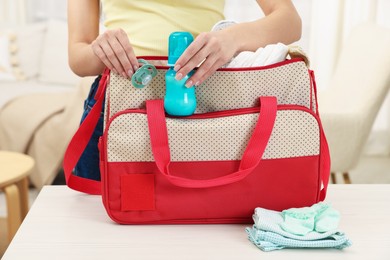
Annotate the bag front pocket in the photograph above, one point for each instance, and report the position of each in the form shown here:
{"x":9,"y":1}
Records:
{"x":205,"y":158}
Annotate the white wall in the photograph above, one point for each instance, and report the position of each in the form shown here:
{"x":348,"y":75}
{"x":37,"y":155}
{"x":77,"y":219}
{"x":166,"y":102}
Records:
{"x":12,"y":12}
{"x":46,"y":9}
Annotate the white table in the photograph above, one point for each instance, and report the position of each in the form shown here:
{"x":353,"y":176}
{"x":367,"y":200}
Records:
{"x":64,"y":224}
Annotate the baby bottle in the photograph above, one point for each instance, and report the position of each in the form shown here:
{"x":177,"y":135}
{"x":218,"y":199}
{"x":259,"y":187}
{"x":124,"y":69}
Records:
{"x":179,"y":100}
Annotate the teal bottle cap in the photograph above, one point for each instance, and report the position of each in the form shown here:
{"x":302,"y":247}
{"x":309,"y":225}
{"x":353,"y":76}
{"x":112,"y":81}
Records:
{"x":178,"y":42}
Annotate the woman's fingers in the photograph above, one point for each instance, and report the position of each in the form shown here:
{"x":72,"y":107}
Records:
{"x":99,"y":52}
{"x":212,"y":50}
{"x":195,"y":54}
{"x":208,"y":67}
{"x":186,"y":62}
{"x":125,"y":43}
{"x":113,"y":55}
{"x":114,"y":49}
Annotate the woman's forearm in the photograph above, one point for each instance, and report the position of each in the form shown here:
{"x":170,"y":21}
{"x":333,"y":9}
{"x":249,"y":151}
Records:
{"x":282,"y":25}
{"x":83,"y":61}
{"x":83,"y":28}
{"x":214,"y":49}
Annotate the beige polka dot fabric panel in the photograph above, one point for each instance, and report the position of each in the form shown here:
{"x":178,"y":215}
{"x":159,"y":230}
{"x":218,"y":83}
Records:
{"x":296,"y":133}
{"x":224,"y":90}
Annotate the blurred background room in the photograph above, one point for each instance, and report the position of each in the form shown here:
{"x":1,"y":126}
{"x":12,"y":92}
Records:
{"x":347,"y":42}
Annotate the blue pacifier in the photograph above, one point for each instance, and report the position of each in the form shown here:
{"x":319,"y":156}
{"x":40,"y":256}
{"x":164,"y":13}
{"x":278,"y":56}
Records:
{"x":144,"y":75}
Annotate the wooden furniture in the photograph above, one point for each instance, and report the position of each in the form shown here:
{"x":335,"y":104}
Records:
{"x":65,"y":224}
{"x":14,"y":171}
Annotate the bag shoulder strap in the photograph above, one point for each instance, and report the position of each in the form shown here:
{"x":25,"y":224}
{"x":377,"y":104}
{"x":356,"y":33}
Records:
{"x":80,"y":140}
{"x":325,"y":154}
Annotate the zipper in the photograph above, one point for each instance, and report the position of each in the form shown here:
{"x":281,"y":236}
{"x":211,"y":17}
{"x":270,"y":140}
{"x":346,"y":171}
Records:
{"x":217,"y":114}
{"x":275,"y":65}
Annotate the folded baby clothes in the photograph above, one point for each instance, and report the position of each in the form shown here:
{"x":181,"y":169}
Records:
{"x":267,"y":232}
{"x":319,"y":217}
{"x":222,"y":25}
{"x":327,"y":220}
{"x":270,"y":220}
{"x":270,"y":54}
{"x":268,"y":241}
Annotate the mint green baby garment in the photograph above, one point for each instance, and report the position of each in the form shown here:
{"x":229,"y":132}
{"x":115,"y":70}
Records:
{"x":320,"y":217}
{"x":269,"y":241}
{"x":270,"y":220}
{"x":267,"y":233}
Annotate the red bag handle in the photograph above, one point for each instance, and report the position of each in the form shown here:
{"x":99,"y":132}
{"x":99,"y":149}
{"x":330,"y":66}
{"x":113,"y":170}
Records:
{"x":80,"y":140}
{"x":325,"y":156}
{"x":250,"y":159}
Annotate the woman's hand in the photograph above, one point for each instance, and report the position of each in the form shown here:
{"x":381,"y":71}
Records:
{"x":113,"y":48}
{"x":213,"y":49}
{"x":280,"y":24}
